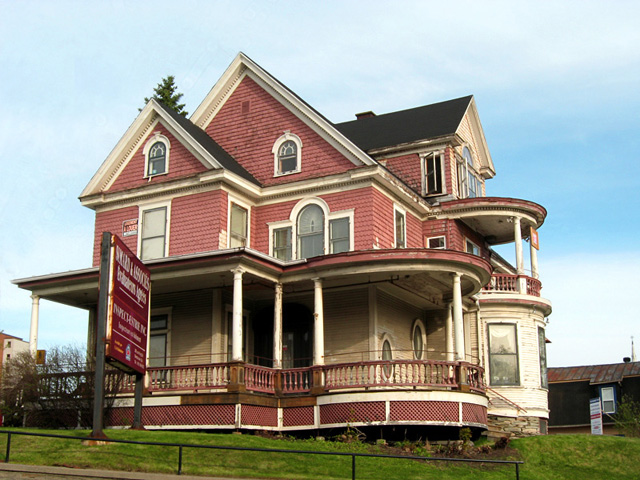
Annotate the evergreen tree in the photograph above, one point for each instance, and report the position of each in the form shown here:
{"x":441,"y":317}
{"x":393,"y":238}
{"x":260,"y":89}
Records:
{"x":166,"y":93}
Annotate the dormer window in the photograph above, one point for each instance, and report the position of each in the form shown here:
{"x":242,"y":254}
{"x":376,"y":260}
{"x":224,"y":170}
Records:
{"x":469,"y":185}
{"x":433,"y":174}
{"x":156,"y":152}
{"x":287,"y":154}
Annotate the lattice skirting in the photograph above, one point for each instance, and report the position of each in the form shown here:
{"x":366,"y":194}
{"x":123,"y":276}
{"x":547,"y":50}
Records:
{"x":297,"y":417}
{"x":171,"y":415}
{"x":424,"y":411}
{"x":354,"y":412}
{"x":259,"y":416}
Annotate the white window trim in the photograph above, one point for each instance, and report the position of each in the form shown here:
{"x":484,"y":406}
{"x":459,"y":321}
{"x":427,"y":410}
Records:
{"x":276,"y":226}
{"x":157,"y":137}
{"x":463,"y":166}
{"x":419,"y":324}
{"x":398,"y":208}
{"x":276,"y":147}
{"x":246,"y":206}
{"x":613,"y":398}
{"x":336,"y":216}
{"x":423,"y":167}
{"x":466,"y":241}
{"x":143,"y":207}
{"x":519,"y":347}
{"x":168,"y":311}
{"x":444,"y":237}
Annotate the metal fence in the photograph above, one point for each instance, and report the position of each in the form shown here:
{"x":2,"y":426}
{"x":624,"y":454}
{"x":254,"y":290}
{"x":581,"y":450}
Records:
{"x":181,"y":446}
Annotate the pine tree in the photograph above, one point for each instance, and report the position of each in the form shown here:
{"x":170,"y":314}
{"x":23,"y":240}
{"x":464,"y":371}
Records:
{"x":166,"y":93}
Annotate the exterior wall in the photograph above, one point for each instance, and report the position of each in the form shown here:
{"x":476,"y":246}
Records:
{"x":517,"y":427}
{"x":395,"y":322}
{"x":181,"y":164}
{"x":111,"y":221}
{"x":406,"y":167}
{"x":436,"y":335}
{"x":346,"y":309}
{"x":249,"y":137}
{"x":198,"y":222}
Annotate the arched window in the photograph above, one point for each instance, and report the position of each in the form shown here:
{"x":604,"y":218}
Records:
{"x":310,"y":232}
{"x":417,"y":339}
{"x":468,"y":184}
{"x":156,"y":152}
{"x":287,"y":154}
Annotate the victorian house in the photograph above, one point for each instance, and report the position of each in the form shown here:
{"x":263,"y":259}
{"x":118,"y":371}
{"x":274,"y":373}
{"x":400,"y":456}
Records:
{"x":309,"y":275}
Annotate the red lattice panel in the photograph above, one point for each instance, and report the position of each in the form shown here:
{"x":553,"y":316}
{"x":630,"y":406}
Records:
{"x":474,"y":413}
{"x":296,"y":416}
{"x":424,"y":411}
{"x":262,"y":416}
{"x":118,"y":417}
{"x":189,"y":415}
{"x":352,"y":412}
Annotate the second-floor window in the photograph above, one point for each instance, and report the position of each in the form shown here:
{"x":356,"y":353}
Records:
{"x":339,"y":235}
{"x":282,"y":243}
{"x":400,"y":228}
{"x":433,"y":178}
{"x":153,"y":237}
{"x":310,"y":232}
{"x":238,"y":226}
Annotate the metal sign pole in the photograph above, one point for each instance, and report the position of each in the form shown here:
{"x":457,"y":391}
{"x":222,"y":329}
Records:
{"x":103,"y":304}
{"x":137,"y":406}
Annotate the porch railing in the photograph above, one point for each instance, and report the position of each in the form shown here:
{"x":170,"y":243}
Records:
{"x":188,"y":377}
{"x":502,"y":282}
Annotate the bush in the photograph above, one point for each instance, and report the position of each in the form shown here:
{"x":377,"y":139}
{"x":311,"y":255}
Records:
{"x":627,"y":418}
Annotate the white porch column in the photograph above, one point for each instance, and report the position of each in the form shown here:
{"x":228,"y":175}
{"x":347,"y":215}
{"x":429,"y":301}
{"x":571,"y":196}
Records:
{"x":448,"y":333}
{"x":33,"y":332}
{"x":534,"y":260}
{"x":318,"y":323}
{"x":458,"y":326}
{"x":522,"y":285}
{"x":277,"y":327}
{"x":236,"y":340}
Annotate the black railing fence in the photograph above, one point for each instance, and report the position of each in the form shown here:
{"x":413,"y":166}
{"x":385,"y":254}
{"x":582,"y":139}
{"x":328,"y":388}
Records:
{"x":181,"y":446}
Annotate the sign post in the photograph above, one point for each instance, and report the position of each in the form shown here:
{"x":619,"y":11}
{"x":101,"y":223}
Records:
{"x":123,"y":320}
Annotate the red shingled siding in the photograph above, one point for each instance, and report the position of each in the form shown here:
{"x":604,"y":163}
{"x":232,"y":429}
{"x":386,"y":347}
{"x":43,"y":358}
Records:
{"x":407,"y":168}
{"x":261,"y":216}
{"x":181,"y":164}
{"x":249,"y":137}
{"x":196,"y":221}
{"x":111,"y":221}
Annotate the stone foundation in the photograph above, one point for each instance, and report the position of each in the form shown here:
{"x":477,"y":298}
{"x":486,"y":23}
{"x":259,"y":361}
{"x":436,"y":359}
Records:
{"x":515,"y":427}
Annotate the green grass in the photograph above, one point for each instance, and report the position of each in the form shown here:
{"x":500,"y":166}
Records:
{"x":568,"y":457}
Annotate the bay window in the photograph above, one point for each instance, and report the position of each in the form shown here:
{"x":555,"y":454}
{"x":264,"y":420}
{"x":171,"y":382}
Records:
{"x":503,"y":354}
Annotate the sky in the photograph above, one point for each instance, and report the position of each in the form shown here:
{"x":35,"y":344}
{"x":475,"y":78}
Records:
{"x":556,"y":83}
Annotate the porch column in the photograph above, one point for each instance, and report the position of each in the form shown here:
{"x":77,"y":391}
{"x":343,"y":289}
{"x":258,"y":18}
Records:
{"x":277,"y":327}
{"x":458,"y":326}
{"x":517,"y":233}
{"x":448,"y":332}
{"x":534,"y":260}
{"x":33,"y":333}
{"x":318,"y":323}
{"x":236,"y":340}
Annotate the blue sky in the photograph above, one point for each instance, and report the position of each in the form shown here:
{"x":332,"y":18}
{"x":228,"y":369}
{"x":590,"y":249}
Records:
{"x":556,"y":84}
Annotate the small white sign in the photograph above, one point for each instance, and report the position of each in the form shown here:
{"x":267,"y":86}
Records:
{"x":595,"y":410}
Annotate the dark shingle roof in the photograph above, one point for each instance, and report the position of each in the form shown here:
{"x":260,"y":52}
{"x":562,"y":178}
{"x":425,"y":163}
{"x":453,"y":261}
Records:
{"x":405,"y":126}
{"x":595,"y":374}
{"x":210,"y":145}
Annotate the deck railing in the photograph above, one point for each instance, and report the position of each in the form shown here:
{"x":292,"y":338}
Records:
{"x":502,"y":282}
{"x":188,"y":377}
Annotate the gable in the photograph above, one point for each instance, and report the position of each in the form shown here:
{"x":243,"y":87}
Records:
{"x":252,"y":120}
{"x":181,"y":163}
{"x":471,"y":133}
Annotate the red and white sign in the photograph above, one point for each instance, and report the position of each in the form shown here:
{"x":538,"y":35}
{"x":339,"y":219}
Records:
{"x":535,"y":241}
{"x":595,"y":411}
{"x":128,"y":310}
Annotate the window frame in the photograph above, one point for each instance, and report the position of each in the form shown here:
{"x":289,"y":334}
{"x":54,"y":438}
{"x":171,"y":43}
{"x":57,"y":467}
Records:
{"x":491,"y":355}
{"x":437,"y":177}
{"x":167,"y":229}
{"x":613,"y":399}
{"x":247,"y":207}
{"x":399,"y":212}
{"x":474,"y":248}
{"x":444,"y":242}
{"x":542,"y":355}
{"x":151,"y":142}
{"x":301,"y":237}
{"x":288,"y":248}
{"x":418,"y":325}
{"x":286,"y":137}
{"x":467,"y":176}
{"x":387,"y":370}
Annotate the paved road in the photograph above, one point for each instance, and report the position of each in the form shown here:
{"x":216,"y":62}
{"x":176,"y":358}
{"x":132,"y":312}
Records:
{"x":15,"y":471}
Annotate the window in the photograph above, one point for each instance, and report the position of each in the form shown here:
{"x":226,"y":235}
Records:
{"x":437,"y":242}
{"x":238,"y":226}
{"x":154,"y":233}
{"x":339,"y":235}
{"x":608,"y":399}
{"x":387,"y":356}
{"x":469,"y":185}
{"x":156,"y":152}
{"x":158,"y":340}
{"x":310,"y":232}
{"x":400,"y":228}
{"x":542,"y":348}
{"x":472,"y":248}
{"x":287,"y":154}
{"x":503,"y":354}
{"x":8,"y":344}
{"x":417,"y":339}
{"x":433,"y":183}
{"x":282,"y":243}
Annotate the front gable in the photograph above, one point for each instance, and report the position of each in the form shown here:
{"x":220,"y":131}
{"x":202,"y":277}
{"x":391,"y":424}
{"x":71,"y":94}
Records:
{"x":472,"y":135}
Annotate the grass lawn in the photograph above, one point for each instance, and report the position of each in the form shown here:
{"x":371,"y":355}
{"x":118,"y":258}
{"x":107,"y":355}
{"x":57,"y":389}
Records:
{"x":567,"y":457}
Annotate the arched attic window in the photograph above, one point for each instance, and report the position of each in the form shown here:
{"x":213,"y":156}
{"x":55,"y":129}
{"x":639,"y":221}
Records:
{"x":156,"y":154}
{"x":287,"y":154}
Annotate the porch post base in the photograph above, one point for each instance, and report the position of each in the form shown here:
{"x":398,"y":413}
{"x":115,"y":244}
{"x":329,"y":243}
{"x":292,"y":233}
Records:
{"x":236,"y":378}
{"x":317,"y":388}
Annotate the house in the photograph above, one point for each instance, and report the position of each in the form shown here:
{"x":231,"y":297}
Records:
{"x":571,"y":389}
{"x":10,"y":347}
{"x":309,"y":275}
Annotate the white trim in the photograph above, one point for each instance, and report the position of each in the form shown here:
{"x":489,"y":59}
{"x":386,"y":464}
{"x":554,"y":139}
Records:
{"x":157,"y":137}
{"x":232,"y":199}
{"x":287,"y":136}
{"x":444,"y":247}
{"x":516,"y":324}
{"x":423,"y":172}
{"x":293,"y":217}
{"x":143,"y":207}
{"x":403,"y":211}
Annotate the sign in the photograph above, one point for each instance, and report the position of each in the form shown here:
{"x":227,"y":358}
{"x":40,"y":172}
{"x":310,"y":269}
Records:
{"x":596,"y":416}
{"x":130,"y":227}
{"x":41,"y":357}
{"x":128,"y":309}
{"x":533,"y":235}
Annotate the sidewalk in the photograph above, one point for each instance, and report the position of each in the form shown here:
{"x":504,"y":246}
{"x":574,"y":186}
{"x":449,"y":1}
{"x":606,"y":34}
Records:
{"x":18,"y":472}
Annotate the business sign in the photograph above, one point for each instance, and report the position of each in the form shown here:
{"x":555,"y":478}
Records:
{"x":130,"y":227}
{"x":595,"y":411}
{"x":128,"y":309}
{"x":535,"y":241}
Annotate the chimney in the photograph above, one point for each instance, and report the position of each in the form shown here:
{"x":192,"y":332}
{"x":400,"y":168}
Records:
{"x":365,"y":115}
{"x":626,"y":359}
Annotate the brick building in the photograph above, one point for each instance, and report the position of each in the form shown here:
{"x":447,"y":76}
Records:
{"x":307,"y":275}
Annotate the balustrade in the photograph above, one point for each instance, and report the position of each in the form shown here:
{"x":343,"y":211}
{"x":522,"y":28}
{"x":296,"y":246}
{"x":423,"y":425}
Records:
{"x":502,"y":282}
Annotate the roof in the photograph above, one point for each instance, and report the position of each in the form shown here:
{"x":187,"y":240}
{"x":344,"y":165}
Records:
{"x":210,"y":145}
{"x":405,"y":126}
{"x":595,"y":374}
